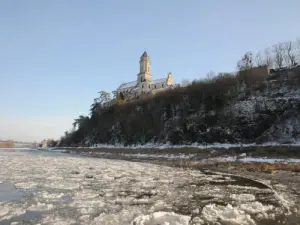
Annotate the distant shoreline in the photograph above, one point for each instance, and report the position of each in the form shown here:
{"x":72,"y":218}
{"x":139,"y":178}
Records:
{"x":282,"y":151}
{"x":7,"y":145}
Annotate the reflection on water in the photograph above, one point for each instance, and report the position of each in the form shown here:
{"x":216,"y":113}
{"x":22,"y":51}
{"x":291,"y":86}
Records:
{"x":44,"y":152}
{"x":8,"y":192}
{"x":29,"y":217}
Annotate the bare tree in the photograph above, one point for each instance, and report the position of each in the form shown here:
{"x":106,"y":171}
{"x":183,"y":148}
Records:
{"x":259,"y":59}
{"x":210,"y":75}
{"x":268,"y":58}
{"x":104,"y":97}
{"x":185,"y":83}
{"x":297,"y":50}
{"x":289,"y":53}
{"x":114,"y":94}
{"x":278,"y":54}
{"x":246,"y":62}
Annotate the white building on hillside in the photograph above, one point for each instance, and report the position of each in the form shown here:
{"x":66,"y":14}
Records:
{"x":144,"y":84}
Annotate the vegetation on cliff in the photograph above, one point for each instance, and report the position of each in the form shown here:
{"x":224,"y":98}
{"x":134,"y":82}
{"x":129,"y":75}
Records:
{"x":244,"y":107}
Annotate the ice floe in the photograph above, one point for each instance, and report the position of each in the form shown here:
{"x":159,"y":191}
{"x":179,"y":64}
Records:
{"x":122,"y":192}
{"x":163,"y":218}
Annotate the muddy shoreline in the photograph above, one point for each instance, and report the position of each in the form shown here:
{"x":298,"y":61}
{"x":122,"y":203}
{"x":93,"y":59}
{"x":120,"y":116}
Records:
{"x":283,"y":152}
{"x":279,"y":173}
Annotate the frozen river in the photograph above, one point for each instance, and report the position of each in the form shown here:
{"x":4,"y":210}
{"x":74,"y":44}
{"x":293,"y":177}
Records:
{"x":54,"y":188}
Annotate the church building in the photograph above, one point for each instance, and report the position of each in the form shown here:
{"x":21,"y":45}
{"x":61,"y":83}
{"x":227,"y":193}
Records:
{"x":144,"y":84}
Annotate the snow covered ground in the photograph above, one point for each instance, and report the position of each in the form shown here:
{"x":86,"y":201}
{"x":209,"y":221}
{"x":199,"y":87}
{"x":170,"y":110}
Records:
{"x":254,"y":160}
{"x":194,"y":145}
{"x":66,"y":189}
{"x":242,"y":157}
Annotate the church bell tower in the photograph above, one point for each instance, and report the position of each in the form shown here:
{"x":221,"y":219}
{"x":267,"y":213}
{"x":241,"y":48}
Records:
{"x":145,"y":73}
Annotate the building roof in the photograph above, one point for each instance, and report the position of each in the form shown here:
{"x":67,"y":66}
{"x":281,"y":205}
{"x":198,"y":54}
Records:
{"x":135,"y":89}
{"x":132,"y":84}
{"x":145,"y":54}
{"x":127,"y":85}
{"x":158,"y":80}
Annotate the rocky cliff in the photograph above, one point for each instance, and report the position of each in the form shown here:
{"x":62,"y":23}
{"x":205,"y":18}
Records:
{"x":247,"y":107}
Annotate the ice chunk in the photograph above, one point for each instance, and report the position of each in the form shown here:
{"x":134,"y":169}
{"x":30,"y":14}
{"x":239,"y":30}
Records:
{"x":256,"y":207}
{"x":243,"y":197}
{"x":10,"y":210}
{"x":40,"y":207}
{"x":228,"y":215}
{"x":163,"y":218}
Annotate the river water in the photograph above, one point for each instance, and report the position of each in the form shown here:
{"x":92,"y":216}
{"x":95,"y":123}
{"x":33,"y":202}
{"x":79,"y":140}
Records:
{"x":44,"y":187}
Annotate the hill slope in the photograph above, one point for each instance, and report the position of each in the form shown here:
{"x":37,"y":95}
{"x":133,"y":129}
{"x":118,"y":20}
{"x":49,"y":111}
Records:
{"x":248,"y":107}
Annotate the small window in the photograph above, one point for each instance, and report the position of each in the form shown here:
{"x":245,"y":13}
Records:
{"x":162,"y":85}
{"x":154,"y":86}
{"x":142,"y":86}
{"x":141,"y":79}
{"x":149,"y":86}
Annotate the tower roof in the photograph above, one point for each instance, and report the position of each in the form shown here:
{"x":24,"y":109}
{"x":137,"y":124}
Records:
{"x":145,"y":54}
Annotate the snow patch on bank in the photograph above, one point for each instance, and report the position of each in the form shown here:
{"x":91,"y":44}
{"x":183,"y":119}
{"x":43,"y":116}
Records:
{"x":193,"y":145}
{"x":161,"y":156}
{"x":254,"y":160}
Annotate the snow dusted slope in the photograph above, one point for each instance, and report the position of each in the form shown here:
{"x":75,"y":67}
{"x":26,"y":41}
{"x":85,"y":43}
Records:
{"x":81,"y":190}
{"x":256,"y":112}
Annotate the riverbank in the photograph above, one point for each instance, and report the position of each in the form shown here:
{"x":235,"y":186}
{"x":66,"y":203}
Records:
{"x":284,"y":151}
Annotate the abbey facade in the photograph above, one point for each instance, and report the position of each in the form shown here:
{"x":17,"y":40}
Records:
{"x":144,"y":84}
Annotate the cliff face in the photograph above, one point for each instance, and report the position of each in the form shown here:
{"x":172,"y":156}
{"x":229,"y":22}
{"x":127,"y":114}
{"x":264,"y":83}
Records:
{"x":226,"y":110}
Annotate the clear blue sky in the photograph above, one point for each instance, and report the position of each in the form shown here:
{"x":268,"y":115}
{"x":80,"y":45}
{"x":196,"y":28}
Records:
{"x":56,"y":55}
